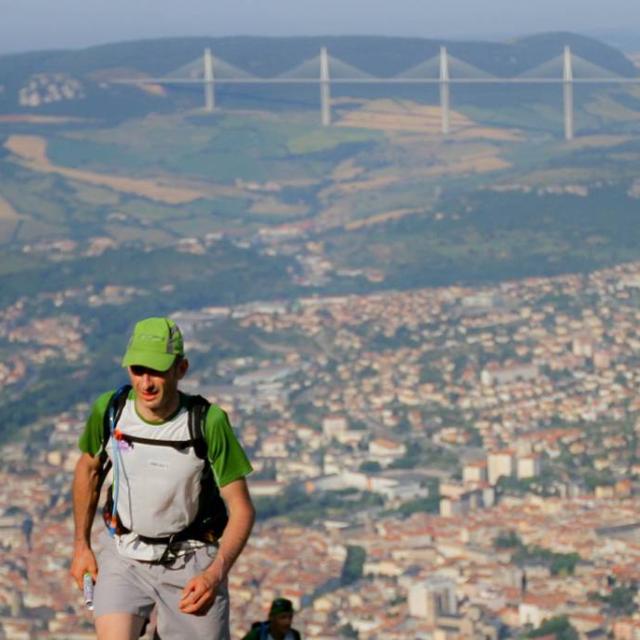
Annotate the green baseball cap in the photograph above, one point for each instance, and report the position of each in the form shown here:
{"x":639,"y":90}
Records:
{"x":154,"y":343}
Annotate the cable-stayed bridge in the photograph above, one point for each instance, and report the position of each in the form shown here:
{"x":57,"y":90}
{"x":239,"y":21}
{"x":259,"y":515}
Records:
{"x":443,"y":69}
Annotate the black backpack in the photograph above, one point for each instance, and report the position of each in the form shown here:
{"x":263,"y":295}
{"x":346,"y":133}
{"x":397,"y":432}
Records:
{"x":263,"y":630}
{"x":211,"y":517}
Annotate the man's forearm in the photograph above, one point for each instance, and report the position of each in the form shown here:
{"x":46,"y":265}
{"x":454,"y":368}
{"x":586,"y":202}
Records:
{"x":236,"y":534}
{"x":235,"y":537}
{"x":86,"y":490}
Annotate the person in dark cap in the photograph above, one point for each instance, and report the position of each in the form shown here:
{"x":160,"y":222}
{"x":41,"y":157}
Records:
{"x":278,"y":626}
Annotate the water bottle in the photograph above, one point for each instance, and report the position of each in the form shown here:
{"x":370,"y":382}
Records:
{"x":87,"y":591}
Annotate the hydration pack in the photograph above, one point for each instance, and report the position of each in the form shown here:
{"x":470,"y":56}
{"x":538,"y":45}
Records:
{"x":211,"y":517}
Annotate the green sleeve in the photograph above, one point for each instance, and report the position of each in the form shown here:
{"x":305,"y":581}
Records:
{"x":227,"y":457}
{"x":91,"y":439}
{"x":254,"y":634}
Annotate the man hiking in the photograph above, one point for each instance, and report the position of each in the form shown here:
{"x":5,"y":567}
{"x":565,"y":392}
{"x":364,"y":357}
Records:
{"x":178,"y":512}
{"x":278,"y":626}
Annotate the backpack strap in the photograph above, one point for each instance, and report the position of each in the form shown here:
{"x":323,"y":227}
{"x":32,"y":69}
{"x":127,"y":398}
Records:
{"x":212,"y":514}
{"x":264,"y":630}
{"x":109,"y":421}
{"x":179,"y":445}
{"x":198,"y":407}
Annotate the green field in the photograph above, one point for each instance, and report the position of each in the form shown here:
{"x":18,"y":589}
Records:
{"x":270,"y":205}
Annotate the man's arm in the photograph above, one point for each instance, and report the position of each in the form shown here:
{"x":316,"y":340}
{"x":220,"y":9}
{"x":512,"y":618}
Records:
{"x":86,"y":491}
{"x":200,"y":592}
{"x":241,"y":518}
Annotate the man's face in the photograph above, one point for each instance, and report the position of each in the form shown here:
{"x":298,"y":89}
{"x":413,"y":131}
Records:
{"x":157,"y":391}
{"x":280,"y":624}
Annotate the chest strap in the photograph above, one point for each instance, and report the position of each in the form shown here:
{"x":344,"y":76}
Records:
{"x":179,"y":445}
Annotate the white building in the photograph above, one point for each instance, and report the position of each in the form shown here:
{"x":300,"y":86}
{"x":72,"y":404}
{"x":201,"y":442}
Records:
{"x":385,"y":451}
{"x":332,"y":426}
{"x":529,"y":466}
{"x":499,"y":464}
{"x":433,"y":597}
{"x":473,"y":472}
{"x":494,"y":373}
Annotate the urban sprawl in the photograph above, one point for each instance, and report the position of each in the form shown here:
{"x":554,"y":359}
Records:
{"x":435,"y":464}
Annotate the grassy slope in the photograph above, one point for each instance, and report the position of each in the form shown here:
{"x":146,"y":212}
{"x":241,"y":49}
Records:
{"x":479,"y":236}
{"x":390,"y":174}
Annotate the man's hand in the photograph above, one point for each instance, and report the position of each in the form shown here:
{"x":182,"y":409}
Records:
{"x":199,"y":594}
{"x":83,"y":562}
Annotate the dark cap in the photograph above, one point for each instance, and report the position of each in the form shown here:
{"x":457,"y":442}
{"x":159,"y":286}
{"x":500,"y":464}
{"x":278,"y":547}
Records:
{"x":281,"y":605}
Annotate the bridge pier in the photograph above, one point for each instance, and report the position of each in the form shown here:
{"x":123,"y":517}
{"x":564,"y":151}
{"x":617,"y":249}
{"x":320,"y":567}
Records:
{"x":325,"y":88}
{"x":209,"y":88}
{"x":444,"y":92}
{"x":567,"y":94}
{"x":444,"y":81}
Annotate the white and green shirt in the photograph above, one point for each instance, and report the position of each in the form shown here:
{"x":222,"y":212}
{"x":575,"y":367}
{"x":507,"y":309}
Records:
{"x":158,"y":487}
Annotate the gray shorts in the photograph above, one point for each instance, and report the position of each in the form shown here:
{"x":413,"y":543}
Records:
{"x":131,"y":586}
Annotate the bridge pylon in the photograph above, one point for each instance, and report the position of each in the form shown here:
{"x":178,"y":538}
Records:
{"x":444,"y":92}
{"x":325,"y":88}
{"x":209,"y":87}
{"x":567,"y":93}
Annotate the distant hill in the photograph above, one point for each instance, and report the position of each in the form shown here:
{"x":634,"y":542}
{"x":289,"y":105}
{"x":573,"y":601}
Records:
{"x":78,"y":82}
{"x":119,"y":201}
{"x":262,"y":56}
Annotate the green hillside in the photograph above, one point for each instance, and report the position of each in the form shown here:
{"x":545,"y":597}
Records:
{"x":116,"y":202}
{"x":97,"y":96}
{"x":265,"y":57}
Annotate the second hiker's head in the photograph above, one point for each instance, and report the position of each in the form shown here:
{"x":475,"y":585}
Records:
{"x":156,"y":363}
{"x":281,"y":616}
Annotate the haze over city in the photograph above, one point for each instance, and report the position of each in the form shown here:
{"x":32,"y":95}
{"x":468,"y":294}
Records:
{"x":27,"y":24}
{"x":401,"y":241}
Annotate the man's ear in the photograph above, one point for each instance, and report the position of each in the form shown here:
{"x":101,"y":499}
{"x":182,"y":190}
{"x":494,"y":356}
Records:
{"x":182,"y":368}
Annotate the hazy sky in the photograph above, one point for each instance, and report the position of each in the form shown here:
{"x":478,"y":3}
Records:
{"x":41,"y":24}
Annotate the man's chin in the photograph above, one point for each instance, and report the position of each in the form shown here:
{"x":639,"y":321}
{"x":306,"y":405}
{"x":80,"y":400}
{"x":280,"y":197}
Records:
{"x":151,"y":404}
